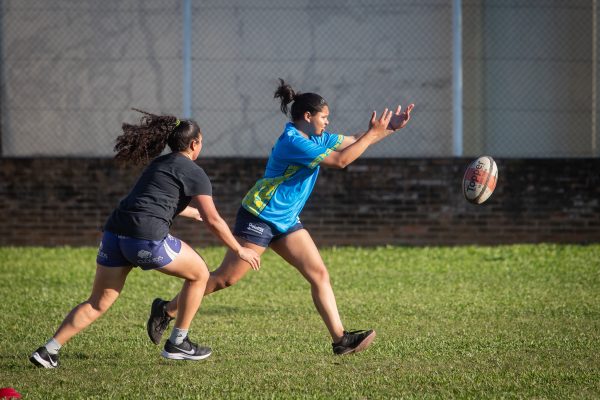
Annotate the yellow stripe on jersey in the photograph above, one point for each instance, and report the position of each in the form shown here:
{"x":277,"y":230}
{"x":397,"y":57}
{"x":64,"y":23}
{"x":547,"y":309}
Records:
{"x":321,"y":157}
{"x":263,"y":190}
{"x":339,"y":141}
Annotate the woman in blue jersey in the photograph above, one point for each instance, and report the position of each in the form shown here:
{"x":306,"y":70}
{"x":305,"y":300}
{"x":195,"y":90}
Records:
{"x":269,"y":215}
{"x":137,"y":232}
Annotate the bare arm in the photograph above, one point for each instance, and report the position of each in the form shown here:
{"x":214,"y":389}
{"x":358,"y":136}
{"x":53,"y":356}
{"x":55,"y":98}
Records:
{"x":398,"y":121}
{"x":191,"y":212}
{"x":377,"y":131}
{"x":220,"y":229}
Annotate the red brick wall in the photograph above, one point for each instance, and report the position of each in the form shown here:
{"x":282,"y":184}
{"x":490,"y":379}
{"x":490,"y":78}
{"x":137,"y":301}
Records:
{"x":57,"y":201}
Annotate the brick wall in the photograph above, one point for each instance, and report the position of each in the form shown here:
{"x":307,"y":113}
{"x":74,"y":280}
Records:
{"x":58,"y":201}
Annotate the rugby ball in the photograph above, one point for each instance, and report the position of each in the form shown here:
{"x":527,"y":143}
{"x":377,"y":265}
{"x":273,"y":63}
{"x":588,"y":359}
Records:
{"x":480,"y":179}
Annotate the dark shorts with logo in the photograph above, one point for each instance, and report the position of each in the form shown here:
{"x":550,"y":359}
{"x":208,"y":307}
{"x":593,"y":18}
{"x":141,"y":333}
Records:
{"x":255,"y":230}
{"x":123,"y":251}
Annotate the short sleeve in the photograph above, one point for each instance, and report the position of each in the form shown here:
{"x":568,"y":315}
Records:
{"x":196,"y":182}
{"x":298,"y":150}
{"x":330,"y":140}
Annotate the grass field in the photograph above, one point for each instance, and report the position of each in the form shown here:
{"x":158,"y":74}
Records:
{"x":466,"y":322}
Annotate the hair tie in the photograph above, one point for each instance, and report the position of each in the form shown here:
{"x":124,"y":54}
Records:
{"x":177,"y":122}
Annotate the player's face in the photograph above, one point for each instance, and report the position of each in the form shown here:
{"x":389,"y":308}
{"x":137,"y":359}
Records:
{"x":319,"y":121}
{"x":197,"y":147}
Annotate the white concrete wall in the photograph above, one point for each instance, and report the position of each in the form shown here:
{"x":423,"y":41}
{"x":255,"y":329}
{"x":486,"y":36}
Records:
{"x":528,"y":78}
{"x":360,"y":57}
{"x":72,"y":74}
{"x":71,"y":69}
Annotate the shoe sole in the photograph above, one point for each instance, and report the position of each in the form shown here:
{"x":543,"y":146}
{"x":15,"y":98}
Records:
{"x":38,"y":361}
{"x":363,"y":345}
{"x":183,"y":356}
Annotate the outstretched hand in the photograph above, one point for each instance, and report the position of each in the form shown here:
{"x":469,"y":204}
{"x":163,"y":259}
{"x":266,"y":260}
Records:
{"x":400,"y":119}
{"x":378,"y":126}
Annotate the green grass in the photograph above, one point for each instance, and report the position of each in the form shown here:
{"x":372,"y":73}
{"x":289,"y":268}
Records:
{"x":466,"y":322}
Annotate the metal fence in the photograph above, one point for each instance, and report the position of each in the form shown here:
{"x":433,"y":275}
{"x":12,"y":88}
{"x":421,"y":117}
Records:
{"x":71,"y":70}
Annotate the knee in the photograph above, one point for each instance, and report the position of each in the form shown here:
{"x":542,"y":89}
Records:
{"x":200,"y":275}
{"x":99,"y":306}
{"x":222,"y":282}
{"x":320,"y":276}
{"x":229,"y":282}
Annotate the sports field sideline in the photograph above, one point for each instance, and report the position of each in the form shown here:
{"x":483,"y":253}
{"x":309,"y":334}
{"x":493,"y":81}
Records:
{"x":517,"y":321}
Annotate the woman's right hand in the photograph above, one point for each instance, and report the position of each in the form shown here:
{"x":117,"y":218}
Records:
{"x":250,"y":256}
{"x":378,"y":128}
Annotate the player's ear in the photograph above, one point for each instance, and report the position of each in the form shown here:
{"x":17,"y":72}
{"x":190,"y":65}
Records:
{"x":307,"y":116}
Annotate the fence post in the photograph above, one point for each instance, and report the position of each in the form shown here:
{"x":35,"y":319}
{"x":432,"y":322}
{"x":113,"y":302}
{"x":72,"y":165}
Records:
{"x":2,"y":80}
{"x":457,"y":81}
{"x":187,"y":58}
{"x":594,"y":133}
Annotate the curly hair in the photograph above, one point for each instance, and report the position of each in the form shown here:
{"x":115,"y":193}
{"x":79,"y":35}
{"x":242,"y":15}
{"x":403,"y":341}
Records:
{"x":146,"y":140}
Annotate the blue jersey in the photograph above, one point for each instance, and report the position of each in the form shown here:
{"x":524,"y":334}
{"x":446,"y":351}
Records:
{"x":290,"y":176}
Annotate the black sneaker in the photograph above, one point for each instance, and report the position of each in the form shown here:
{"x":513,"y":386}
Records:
{"x":353,"y":342}
{"x":159,"y":320}
{"x":41,"y":358}
{"x":185,"y":351}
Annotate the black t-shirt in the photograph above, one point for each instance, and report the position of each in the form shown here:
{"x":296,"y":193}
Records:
{"x":164,"y":189}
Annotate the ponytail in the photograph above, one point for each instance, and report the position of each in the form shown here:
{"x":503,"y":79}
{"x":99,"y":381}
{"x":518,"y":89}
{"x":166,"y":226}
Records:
{"x":302,"y":102}
{"x":286,"y":94}
{"x":146,"y":140}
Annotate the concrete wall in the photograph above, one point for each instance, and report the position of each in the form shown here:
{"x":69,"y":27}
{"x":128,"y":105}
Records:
{"x":72,"y":69}
{"x":359,"y":56}
{"x":372,"y":202}
{"x":528,"y":76}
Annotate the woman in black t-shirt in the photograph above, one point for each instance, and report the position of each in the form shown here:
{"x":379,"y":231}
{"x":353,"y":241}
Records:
{"x":137,"y":232}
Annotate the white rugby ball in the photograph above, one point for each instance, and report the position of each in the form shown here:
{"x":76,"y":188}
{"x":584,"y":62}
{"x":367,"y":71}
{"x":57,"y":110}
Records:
{"x":480,"y":179}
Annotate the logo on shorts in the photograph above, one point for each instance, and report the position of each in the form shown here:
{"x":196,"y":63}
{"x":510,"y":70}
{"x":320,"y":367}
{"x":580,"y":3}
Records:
{"x":255,"y":228}
{"x":101,"y":254}
{"x":145,"y":257}
{"x":144,"y":254}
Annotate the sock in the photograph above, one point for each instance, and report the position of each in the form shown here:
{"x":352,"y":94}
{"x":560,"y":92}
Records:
{"x":177,"y":335}
{"x":53,"y":346}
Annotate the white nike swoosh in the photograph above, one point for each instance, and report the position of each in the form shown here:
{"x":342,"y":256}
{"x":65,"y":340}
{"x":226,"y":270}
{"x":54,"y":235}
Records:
{"x":39,"y":358}
{"x":190,"y":352}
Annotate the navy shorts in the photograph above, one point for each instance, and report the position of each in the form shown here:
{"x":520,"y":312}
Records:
{"x":255,"y":230}
{"x":123,"y":251}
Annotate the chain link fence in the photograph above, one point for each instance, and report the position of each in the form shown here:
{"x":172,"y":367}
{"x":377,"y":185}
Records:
{"x":72,"y":69}
{"x":530,"y":77}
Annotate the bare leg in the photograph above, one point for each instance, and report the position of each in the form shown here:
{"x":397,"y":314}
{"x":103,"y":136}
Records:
{"x":231,"y":270}
{"x":191,"y":267}
{"x":299,"y":249}
{"x":108,"y":284}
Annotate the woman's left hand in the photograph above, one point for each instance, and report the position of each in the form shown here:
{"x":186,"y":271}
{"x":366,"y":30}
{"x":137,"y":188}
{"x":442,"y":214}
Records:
{"x":400,"y":119}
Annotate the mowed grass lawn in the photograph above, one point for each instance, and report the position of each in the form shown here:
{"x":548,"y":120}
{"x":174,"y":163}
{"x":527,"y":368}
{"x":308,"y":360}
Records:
{"x":517,"y":321}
